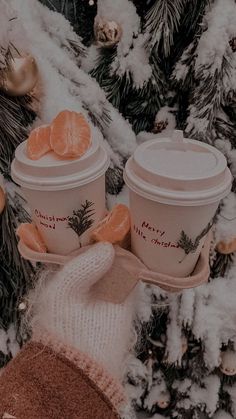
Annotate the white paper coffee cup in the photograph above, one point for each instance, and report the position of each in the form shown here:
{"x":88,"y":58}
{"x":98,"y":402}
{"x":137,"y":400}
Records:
{"x":175,"y":185}
{"x":60,"y":192}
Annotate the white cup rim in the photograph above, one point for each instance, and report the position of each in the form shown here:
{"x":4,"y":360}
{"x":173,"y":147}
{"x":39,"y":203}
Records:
{"x":176,"y":197}
{"x":25,"y":174}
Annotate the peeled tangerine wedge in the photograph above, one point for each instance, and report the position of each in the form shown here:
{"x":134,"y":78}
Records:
{"x":2,"y":200}
{"x":38,"y":142}
{"x":30,"y":236}
{"x":226,"y":247}
{"x":115,"y":227}
{"x":70,"y":134}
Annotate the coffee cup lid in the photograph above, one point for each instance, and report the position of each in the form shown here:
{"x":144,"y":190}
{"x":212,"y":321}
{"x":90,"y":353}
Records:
{"x":178,"y":170}
{"x":51,"y":173}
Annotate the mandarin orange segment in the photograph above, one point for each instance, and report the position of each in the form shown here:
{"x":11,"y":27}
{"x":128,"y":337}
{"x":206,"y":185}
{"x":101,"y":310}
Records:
{"x":38,"y":143}
{"x":226,"y":248}
{"x":70,"y":134}
{"x":115,"y":227}
{"x":31,"y":237}
{"x":2,"y":200}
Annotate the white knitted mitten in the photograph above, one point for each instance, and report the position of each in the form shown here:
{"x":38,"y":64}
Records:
{"x":64,"y":307}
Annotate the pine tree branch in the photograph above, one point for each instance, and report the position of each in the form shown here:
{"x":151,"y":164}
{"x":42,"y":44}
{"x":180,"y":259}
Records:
{"x":79,"y":13}
{"x":82,"y":218}
{"x":162,"y":21}
{"x":15,"y":117}
{"x":190,"y":246}
{"x":206,"y":101}
{"x":16,"y":274}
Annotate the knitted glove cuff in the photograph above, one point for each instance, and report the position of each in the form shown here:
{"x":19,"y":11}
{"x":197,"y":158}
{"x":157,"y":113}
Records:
{"x":110,"y":387}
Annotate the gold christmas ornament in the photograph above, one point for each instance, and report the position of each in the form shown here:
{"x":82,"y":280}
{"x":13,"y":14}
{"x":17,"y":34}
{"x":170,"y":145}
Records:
{"x":2,"y":200}
{"x":228,"y":362}
{"x":20,"y":77}
{"x":107,"y":33}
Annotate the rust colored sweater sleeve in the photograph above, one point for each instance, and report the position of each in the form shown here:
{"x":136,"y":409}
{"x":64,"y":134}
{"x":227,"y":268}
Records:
{"x":41,"y":384}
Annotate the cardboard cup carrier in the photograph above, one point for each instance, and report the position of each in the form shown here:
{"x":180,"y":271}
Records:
{"x":61,"y":193}
{"x":175,"y":187}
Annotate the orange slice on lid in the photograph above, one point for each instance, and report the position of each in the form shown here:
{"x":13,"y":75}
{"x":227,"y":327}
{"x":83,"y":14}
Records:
{"x":31,"y":237}
{"x":70,"y":134}
{"x":38,"y":143}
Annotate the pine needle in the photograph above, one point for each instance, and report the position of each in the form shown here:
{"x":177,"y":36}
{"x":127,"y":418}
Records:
{"x":82,"y":218}
{"x":161,"y":21}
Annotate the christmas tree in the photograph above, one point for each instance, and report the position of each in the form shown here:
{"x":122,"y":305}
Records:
{"x":135,"y":69}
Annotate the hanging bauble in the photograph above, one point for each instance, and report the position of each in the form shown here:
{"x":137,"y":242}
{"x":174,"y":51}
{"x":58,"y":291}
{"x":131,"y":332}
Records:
{"x":20,"y":77}
{"x":228,"y":362}
{"x":232,"y":43}
{"x":164,"y":400}
{"x":2,"y":199}
{"x":226,"y":247}
{"x":107,"y":32}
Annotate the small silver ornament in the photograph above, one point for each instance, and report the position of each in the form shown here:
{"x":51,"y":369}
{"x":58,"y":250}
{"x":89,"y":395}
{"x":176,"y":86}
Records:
{"x":107,"y":33}
{"x":91,"y":2}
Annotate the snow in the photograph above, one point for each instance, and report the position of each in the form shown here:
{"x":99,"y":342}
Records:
{"x":222,"y":414}
{"x":144,"y":307}
{"x":225,"y":147}
{"x":3,"y":341}
{"x":122,"y":198}
{"x":226,"y":225}
{"x":209,"y":310}
{"x":4,"y":33}
{"x":157,"y":416}
{"x":157,"y":392}
{"x":181,"y":70}
{"x":91,"y":58}
{"x":232,"y":161}
{"x":232,"y":392}
{"x":166,"y":114}
{"x":64,"y":84}
{"x":214,"y":59}
{"x":221,"y":21}
{"x":174,"y":342}
{"x":131,"y":61}
{"x":186,"y":311}
{"x":215,"y":315}
{"x":182,"y":386}
{"x":135,"y":63}
{"x":195,"y":123}
{"x":124,"y":13}
{"x":13,"y":345}
{"x":206,"y":397}
{"x":138,"y":373}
